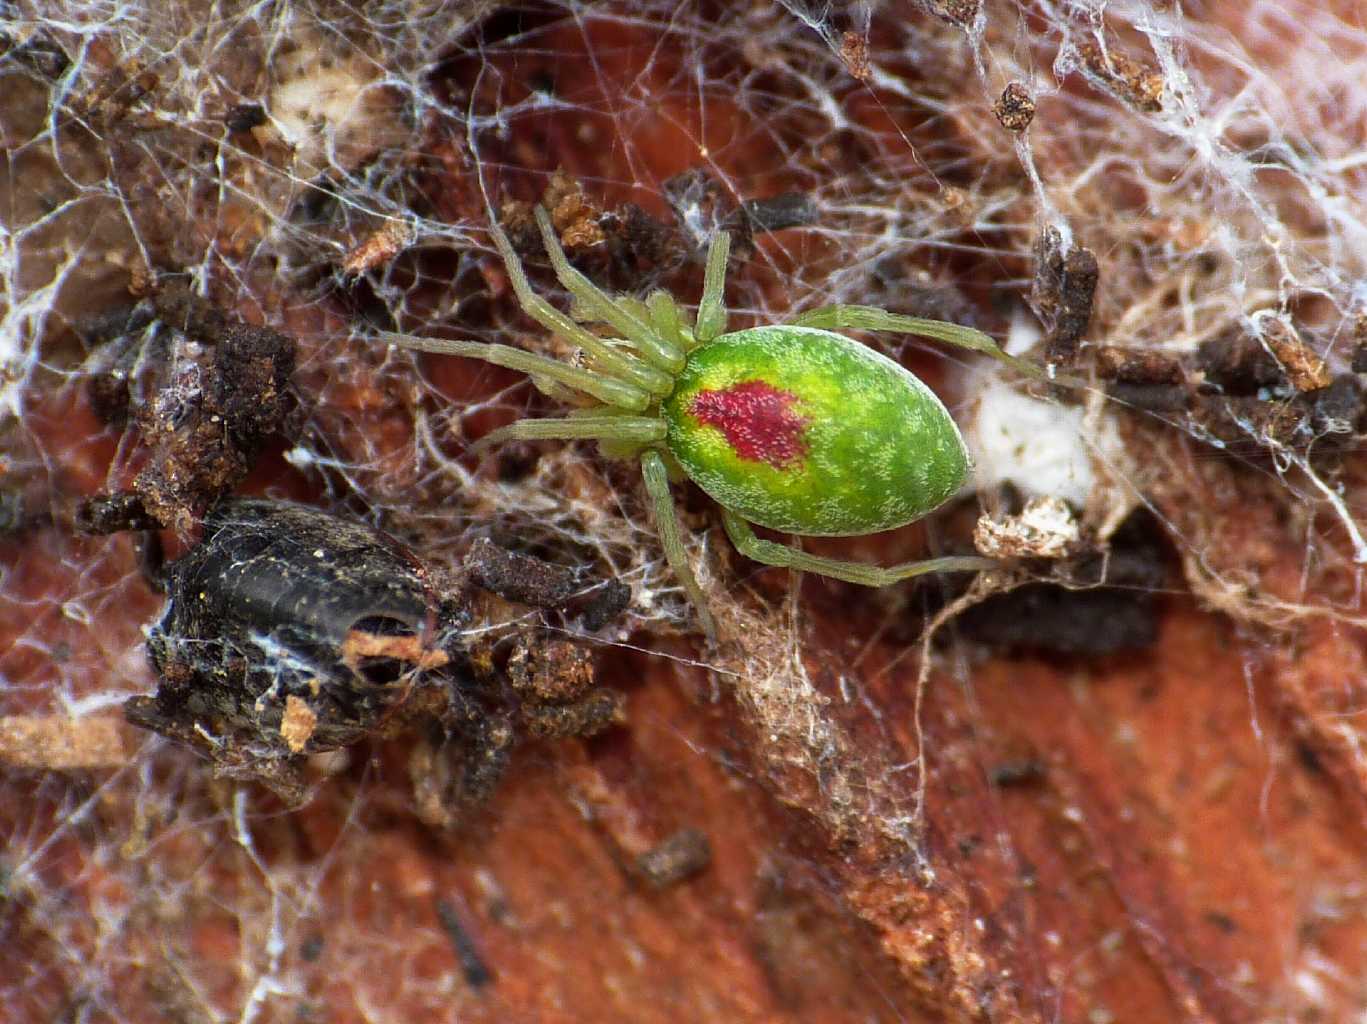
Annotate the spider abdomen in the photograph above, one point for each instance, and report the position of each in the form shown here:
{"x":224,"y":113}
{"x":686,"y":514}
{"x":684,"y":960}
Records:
{"x":803,"y":430}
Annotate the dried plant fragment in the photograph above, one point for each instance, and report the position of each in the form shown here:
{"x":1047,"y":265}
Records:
{"x":378,"y":248}
{"x":854,"y":51}
{"x":1303,"y":366}
{"x":1131,"y":80}
{"x":556,"y":683}
{"x":58,"y":743}
{"x":574,"y":217}
{"x":1015,"y":108}
{"x":962,"y":13}
{"x":520,"y":578}
{"x":1045,"y":528}
{"x":297,"y":724}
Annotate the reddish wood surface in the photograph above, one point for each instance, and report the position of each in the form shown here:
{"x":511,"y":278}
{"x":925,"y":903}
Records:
{"x":1182,"y":839}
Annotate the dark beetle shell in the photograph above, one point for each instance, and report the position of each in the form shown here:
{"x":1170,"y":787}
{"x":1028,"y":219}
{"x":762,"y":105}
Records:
{"x":279,"y":601}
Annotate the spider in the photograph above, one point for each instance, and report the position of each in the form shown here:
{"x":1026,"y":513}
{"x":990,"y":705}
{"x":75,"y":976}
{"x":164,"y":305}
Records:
{"x":792,"y":427}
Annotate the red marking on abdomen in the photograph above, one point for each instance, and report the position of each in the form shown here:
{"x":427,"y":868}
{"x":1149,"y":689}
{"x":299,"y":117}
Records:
{"x":757,"y":421}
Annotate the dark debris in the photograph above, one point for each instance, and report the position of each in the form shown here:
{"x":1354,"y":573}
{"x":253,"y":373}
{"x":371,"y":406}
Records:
{"x":1117,"y":613}
{"x":1238,"y":362}
{"x":38,"y":54}
{"x":1142,"y":379}
{"x":473,"y":966}
{"x":1018,"y":774}
{"x":1327,"y":419}
{"x":1235,"y":363}
{"x":527,"y":580}
{"x":113,"y":513}
{"x":701,"y":207}
{"x":216,"y":400}
{"x":627,"y":249}
{"x":686,"y":853}
{"x":596,"y":712}
{"x":698,"y":201}
{"x":788,"y":210}
{"x":519,"y":577}
{"x":244,"y":117}
{"x":289,"y":631}
{"x":1062,"y":293}
{"x":1248,"y":395}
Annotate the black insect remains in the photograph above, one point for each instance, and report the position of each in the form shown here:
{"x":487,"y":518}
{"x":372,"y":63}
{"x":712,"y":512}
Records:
{"x":288,"y":631}
{"x":285,"y":632}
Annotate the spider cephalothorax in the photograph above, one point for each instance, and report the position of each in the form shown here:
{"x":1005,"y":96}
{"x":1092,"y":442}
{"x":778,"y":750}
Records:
{"x":792,"y":427}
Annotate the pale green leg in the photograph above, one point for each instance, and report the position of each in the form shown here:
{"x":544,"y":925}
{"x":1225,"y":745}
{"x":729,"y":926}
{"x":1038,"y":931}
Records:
{"x":771,"y":553}
{"x":620,"y":364}
{"x":627,"y":429}
{"x":712,"y":310}
{"x":606,"y":389}
{"x":667,"y":526}
{"x":872,"y":318}
{"x":657,"y":350}
{"x":664,"y":314}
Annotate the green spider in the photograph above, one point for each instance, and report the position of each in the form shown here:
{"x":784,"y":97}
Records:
{"x":791,"y":427}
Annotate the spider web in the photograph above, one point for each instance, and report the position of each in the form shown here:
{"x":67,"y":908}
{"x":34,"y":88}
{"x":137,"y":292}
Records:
{"x":323,"y":169}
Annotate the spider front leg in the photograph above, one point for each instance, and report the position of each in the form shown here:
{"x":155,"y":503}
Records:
{"x":629,"y":430}
{"x":659,"y":348}
{"x":608,"y":390}
{"x":873,"y":318}
{"x":711,"y":319}
{"x":771,"y":553}
{"x":667,"y":525}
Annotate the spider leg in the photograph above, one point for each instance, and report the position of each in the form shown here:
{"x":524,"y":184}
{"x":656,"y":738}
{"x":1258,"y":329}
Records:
{"x":712,"y":309}
{"x":612,"y":360}
{"x":656,"y":349}
{"x":872,"y":318}
{"x":664,"y":314}
{"x":771,"y":553}
{"x":606,"y":389}
{"x":628,"y":429}
{"x":667,"y":525}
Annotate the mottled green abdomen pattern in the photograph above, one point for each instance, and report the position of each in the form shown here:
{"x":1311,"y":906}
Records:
{"x":805,"y":431}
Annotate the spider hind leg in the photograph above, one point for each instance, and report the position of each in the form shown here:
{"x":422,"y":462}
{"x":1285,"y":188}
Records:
{"x":772,"y":553}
